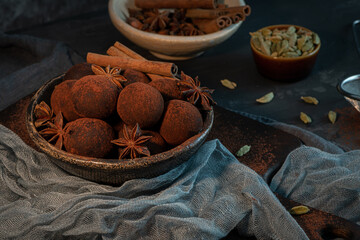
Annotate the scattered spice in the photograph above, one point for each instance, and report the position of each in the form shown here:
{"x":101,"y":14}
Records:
{"x":332,"y":116}
{"x":55,"y":131}
{"x":132,"y":143}
{"x":113,"y":74}
{"x":266,"y":98}
{"x":299,"y":210}
{"x":43,"y":113}
{"x":310,"y":100}
{"x":243,"y":150}
{"x":193,"y":92}
{"x":229,"y":84}
{"x":305,"y":118}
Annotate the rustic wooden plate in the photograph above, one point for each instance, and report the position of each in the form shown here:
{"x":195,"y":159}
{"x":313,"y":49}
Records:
{"x":112,"y":171}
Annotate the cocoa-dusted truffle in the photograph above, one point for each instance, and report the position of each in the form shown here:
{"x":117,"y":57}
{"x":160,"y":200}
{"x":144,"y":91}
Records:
{"x":61,"y":100}
{"x":181,"y":121}
{"x":167,"y":87}
{"x":89,"y":137}
{"x":132,"y":76}
{"x":156,"y":144}
{"x":94,"y":96}
{"x":140,"y":103}
{"x":78,"y":71}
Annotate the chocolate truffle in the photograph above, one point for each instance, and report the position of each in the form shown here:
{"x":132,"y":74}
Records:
{"x":89,"y":137}
{"x":94,"y":96}
{"x":167,"y":87}
{"x":133,"y":76}
{"x":140,"y":103}
{"x":181,"y":121}
{"x":78,"y":71}
{"x":61,"y":100}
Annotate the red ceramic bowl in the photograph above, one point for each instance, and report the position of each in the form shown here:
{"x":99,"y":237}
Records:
{"x":284,"y":68}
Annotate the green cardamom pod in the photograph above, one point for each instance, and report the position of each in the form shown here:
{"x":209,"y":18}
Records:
{"x":243,"y":150}
{"x":299,"y":210}
{"x":332,"y":116}
{"x":305,"y":118}
{"x":267,"y":98}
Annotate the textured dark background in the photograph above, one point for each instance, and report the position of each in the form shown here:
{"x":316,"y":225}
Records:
{"x":20,"y":14}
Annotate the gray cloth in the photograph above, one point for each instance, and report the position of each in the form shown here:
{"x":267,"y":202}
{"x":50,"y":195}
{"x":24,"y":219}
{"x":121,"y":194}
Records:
{"x":204,"y":198}
{"x":26,"y":63}
{"x":325,"y":181}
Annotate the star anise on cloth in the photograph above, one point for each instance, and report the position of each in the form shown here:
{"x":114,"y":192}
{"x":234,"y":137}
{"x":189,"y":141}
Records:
{"x":132,"y":143}
{"x":55,"y":131}
{"x":113,"y":74}
{"x":43,"y":113}
{"x":194,"y":93}
{"x":156,"y":20}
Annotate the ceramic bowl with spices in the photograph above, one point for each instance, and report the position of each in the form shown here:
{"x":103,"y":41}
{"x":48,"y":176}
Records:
{"x":107,"y":170}
{"x":285,"y":52}
{"x":165,"y":44}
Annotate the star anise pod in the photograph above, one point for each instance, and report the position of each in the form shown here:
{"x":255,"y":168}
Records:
{"x":43,"y":113}
{"x":55,"y":131}
{"x":176,"y":27}
{"x":192,"y":91}
{"x":132,"y":143}
{"x":190,"y":30}
{"x":113,"y":74}
{"x":157,"y":20}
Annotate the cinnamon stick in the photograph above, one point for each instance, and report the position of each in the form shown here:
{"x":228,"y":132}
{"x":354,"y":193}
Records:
{"x":113,"y":51}
{"x":245,"y":10}
{"x":236,"y":17}
{"x":146,"y":66}
{"x":204,"y":13}
{"x":210,"y":25}
{"x":121,"y":50}
{"x":227,"y":19}
{"x":176,"y":4}
{"x":127,"y":51}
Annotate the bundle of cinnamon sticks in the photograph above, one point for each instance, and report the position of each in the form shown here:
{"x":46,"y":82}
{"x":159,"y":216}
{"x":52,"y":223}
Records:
{"x":123,"y":57}
{"x":185,"y":17}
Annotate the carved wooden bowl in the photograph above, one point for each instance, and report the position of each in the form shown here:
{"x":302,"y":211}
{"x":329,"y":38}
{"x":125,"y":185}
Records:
{"x":112,"y":171}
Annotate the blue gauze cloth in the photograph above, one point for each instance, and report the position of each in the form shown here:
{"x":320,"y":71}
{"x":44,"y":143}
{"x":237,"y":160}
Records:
{"x":204,"y":198}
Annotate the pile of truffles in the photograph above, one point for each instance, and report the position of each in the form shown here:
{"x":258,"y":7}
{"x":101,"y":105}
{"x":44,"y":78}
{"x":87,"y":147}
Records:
{"x":112,"y":113}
